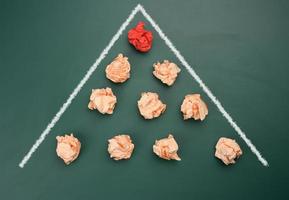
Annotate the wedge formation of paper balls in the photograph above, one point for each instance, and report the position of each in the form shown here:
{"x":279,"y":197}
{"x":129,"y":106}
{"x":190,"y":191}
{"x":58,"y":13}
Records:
{"x":150,"y":106}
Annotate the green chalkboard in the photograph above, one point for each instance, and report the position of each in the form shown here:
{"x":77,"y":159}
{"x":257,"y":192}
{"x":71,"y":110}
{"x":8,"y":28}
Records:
{"x":238,"y":48}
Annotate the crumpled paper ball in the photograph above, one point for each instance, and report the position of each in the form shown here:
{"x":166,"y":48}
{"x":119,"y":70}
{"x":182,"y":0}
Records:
{"x":140,"y":38}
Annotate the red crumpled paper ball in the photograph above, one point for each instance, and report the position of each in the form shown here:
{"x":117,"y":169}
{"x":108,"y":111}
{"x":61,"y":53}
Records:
{"x":140,"y":38}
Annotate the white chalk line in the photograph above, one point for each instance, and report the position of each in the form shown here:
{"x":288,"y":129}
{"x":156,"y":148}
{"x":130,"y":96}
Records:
{"x":177,"y":54}
{"x":78,"y":88}
{"x":204,"y":87}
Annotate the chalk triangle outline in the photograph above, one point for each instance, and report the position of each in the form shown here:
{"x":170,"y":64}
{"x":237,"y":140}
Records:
{"x":191,"y":71}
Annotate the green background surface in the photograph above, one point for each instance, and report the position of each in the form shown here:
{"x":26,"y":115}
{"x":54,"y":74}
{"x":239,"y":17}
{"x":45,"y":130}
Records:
{"x":240,"y":50}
